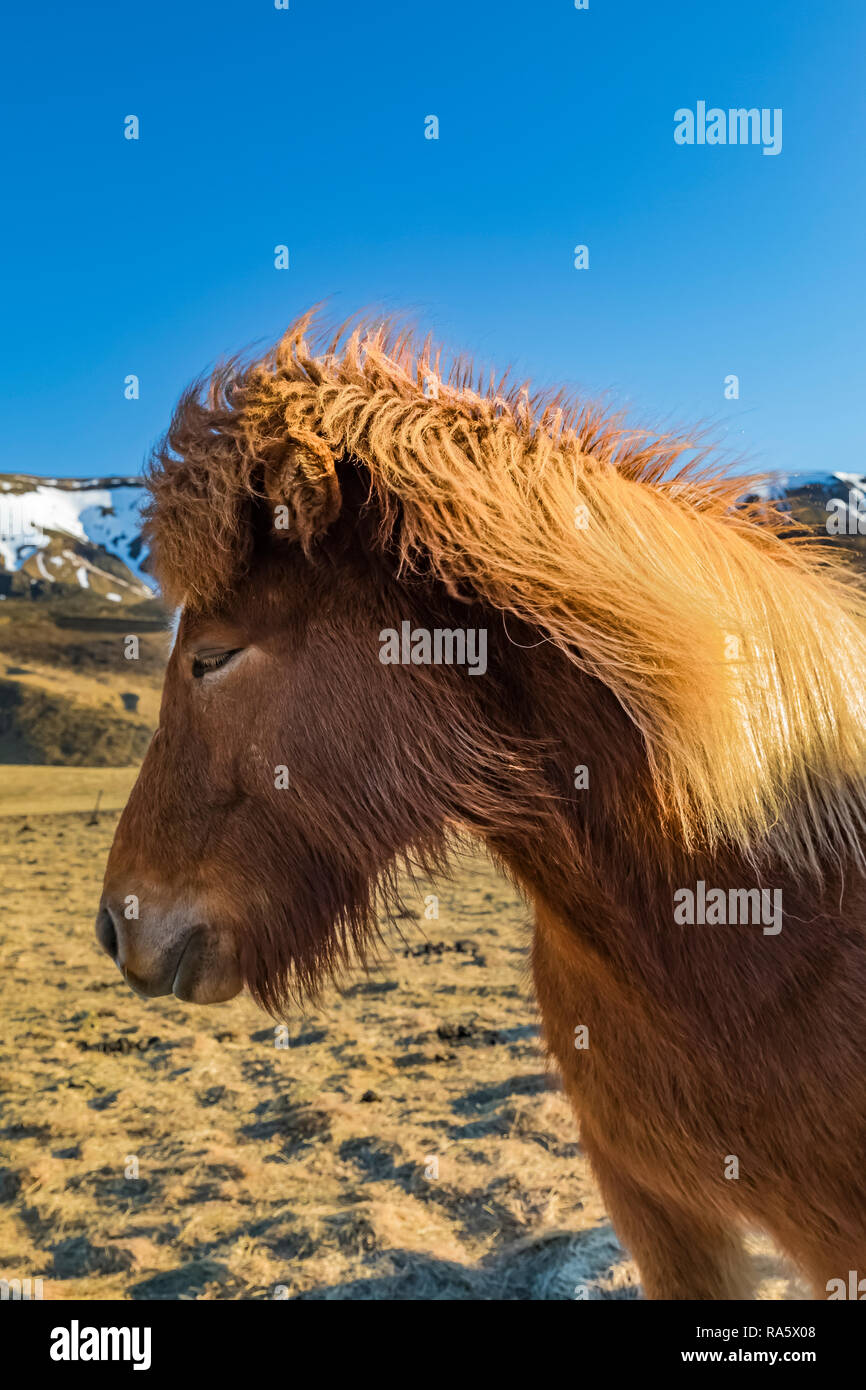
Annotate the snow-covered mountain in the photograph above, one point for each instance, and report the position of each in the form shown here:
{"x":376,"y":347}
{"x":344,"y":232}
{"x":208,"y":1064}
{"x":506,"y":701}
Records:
{"x":64,"y":534}
{"x":832,"y":504}
{"x":61,"y":535}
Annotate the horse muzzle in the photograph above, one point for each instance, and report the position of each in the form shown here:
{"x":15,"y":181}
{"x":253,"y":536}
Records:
{"x":168,"y":952}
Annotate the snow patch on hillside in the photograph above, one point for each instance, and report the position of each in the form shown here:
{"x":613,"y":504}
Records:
{"x":103,"y":511}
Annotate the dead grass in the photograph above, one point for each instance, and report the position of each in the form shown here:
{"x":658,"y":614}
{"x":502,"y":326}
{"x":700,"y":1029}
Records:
{"x":405,"y":1143}
{"x":69,"y":695}
{"x":41,"y":791}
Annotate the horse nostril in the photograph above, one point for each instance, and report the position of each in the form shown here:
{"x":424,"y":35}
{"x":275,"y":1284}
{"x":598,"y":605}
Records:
{"x":106,"y":934}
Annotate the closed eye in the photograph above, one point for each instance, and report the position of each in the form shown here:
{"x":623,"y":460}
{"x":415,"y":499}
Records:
{"x":211,"y":661}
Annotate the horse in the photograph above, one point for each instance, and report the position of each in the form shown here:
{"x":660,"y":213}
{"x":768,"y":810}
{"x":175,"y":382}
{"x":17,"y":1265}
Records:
{"x":671,"y":712}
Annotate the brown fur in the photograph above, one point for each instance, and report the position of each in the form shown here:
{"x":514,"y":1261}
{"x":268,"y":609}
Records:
{"x":736,"y":762}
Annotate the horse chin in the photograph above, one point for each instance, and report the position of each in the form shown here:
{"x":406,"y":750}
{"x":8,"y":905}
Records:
{"x":206,"y":974}
{"x":208,"y":991}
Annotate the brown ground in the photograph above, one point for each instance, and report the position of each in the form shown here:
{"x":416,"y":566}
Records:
{"x":159,"y":1151}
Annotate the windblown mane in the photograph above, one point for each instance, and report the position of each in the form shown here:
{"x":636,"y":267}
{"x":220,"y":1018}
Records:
{"x":738,"y":653}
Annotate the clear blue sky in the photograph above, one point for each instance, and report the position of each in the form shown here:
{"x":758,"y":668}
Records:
{"x":306,"y":127}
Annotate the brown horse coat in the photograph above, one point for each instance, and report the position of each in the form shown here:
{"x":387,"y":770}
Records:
{"x":705,"y":670}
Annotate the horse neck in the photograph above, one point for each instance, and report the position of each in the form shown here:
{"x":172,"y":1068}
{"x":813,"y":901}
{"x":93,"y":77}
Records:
{"x":591,"y":849}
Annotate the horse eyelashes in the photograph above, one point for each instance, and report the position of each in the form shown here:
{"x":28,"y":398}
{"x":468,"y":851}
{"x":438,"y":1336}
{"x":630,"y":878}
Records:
{"x":202,"y":664}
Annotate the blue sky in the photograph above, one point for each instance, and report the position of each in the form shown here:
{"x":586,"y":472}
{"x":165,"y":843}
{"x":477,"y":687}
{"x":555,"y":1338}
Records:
{"x":306,"y":127}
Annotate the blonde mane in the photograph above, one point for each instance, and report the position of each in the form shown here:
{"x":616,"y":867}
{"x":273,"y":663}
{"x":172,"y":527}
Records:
{"x":738,"y":654}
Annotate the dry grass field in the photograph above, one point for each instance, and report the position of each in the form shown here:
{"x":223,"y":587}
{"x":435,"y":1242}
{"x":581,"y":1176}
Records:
{"x":69,"y":693}
{"x":405,"y":1142}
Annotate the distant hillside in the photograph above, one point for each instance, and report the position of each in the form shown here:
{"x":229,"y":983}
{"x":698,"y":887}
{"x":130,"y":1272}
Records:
{"x":63,"y":535}
{"x":74,"y":583}
{"x":60,"y":536}
{"x":68,"y":693}
{"x":833,"y":504}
